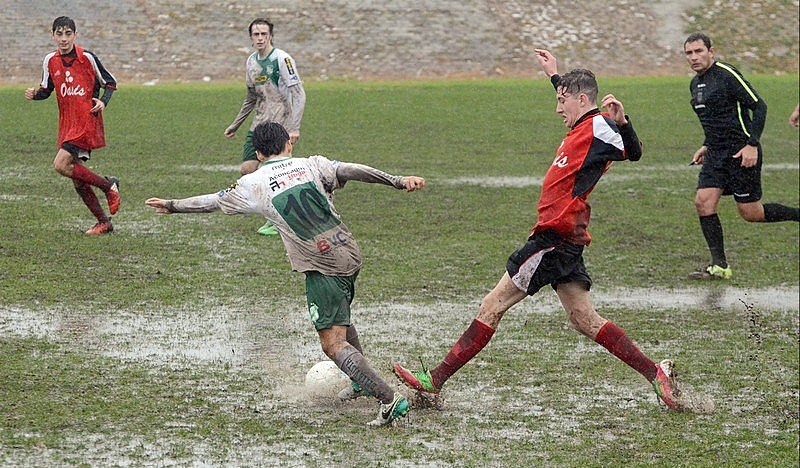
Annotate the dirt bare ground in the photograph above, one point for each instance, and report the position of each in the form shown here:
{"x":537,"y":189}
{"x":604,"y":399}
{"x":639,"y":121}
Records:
{"x":150,"y":41}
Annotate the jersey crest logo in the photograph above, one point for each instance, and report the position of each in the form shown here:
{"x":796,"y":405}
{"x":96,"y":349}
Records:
{"x":700,"y":89}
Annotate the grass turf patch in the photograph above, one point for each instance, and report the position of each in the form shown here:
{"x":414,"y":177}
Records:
{"x":106,"y":372}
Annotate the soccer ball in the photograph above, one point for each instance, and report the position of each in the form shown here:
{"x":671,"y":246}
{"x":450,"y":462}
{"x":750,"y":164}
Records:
{"x":324,"y":379}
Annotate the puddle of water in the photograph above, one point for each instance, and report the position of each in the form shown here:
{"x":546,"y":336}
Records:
{"x":238,"y":335}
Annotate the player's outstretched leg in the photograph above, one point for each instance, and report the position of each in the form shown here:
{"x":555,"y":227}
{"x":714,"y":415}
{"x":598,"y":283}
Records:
{"x":354,"y":390}
{"x":358,"y":368}
{"x":661,"y":375}
{"x":471,"y":342}
{"x":420,"y":381}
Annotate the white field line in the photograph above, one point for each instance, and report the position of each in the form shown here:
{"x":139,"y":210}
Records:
{"x":210,"y":168}
{"x":617,"y":174}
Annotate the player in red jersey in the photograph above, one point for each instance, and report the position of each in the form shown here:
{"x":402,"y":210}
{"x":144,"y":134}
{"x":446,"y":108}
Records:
{"x":76,"y":75}
{"x":553,"y":253}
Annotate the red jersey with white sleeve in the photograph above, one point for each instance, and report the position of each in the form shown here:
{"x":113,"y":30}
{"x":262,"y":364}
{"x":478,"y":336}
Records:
{"x":585,"y":154}
{"x":76,"y":78}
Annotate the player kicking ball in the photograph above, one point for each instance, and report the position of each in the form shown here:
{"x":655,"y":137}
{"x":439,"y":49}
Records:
{"x":553,"y":254}
{"x":296,"y":195}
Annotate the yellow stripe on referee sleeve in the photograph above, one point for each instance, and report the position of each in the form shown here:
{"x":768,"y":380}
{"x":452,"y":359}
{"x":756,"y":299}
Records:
{"x":741,"y":81}
{"x":741,"y":120}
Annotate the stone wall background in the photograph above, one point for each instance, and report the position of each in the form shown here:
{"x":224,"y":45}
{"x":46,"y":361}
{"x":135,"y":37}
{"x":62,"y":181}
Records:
{"x":143,"y":41}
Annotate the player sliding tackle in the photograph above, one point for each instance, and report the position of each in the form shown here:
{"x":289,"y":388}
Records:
{"x":553,"y":253}
{"x":296,"y":195}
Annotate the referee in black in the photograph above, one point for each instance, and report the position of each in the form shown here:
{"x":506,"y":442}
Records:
{"x":732,"y":115}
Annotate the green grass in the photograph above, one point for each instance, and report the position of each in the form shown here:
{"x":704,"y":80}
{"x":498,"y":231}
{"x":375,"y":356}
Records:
{"x":97,"y":335}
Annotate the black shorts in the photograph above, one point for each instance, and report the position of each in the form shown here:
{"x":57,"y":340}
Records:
{"x":76,"y":152}
{"x":721,"y":170}
{"x":547,"y":259}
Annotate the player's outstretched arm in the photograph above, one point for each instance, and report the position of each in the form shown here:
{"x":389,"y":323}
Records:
{"x":362,"y":173}
{"x":199,"y":204}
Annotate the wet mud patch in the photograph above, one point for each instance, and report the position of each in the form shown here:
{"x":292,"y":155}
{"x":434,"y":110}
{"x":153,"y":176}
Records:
{"x":536,"y":382}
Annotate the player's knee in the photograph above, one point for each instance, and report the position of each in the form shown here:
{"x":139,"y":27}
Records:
{"x":703,"y":207}
{"x":330,"y":349}
{"x":61,"y":168}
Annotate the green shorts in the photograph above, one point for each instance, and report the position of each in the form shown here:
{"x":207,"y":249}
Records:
{"x":329,"y":299}
{"x":248,"y":150}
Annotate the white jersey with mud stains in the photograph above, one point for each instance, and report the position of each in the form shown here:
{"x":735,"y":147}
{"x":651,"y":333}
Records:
{"x":296,"y":195}
{"x":270,"y":82}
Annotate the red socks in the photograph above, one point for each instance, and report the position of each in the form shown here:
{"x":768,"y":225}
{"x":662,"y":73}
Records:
{"x":83,"y":174}
{"x":472,"y":341}
{"x":617,"y":342}
{"x":478,"y":334}
{"x":90,"y":200}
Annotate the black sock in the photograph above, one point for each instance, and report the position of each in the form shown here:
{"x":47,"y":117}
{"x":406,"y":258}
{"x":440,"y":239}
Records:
{"x":712,"y":230}
{"x":774,"y":212}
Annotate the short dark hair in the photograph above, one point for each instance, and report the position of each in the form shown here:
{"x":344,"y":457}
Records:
{"x":63,"y":22}
{"x":698,"y":36}
{"x":269,"y":138}
{"x":260,"y":21}
{"x":579,"y":80}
